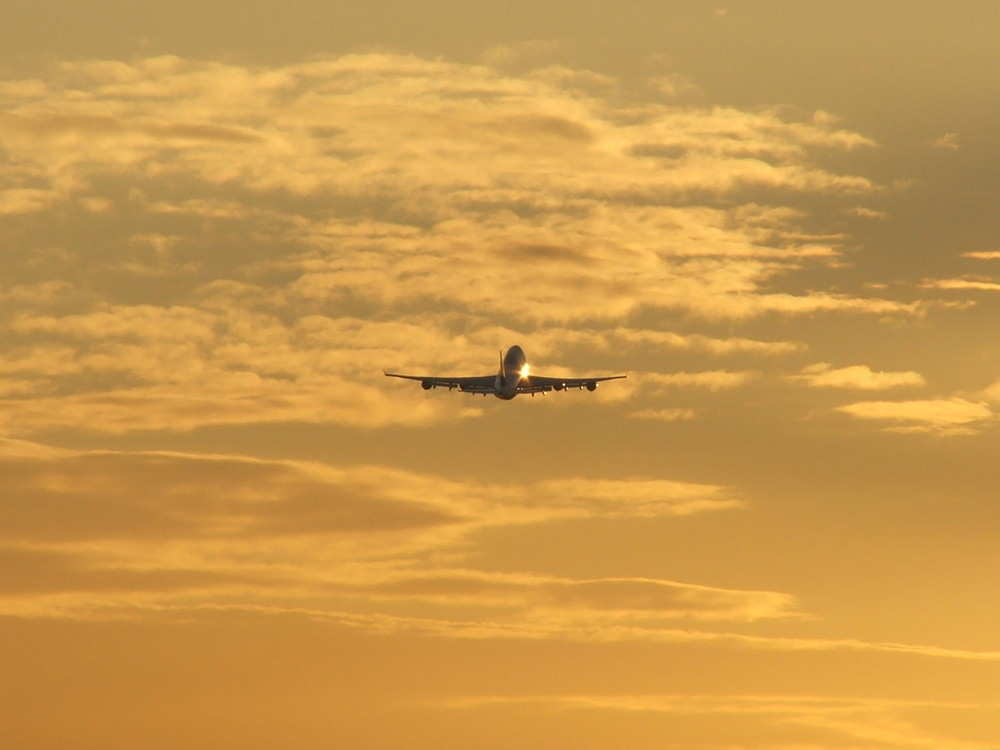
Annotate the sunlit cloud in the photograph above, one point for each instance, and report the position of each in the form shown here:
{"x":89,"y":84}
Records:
{"x":111,"y":534}
{"x":703,"y":343}
{"x":271,"y":238}
{"x":642,"y":630}
{"x":663,"y":415}
{"x":880,"y":722}
{"x":322,"y":128}
{"x":564,"y":602}
{"x":860,"y":377}
{"x":942,"y":416}
{"x":712,"y":380}
{"x":870,"y":213}
{"x":973,"y":284}
{"x":992,"y":393}
{"x":947,"y":142}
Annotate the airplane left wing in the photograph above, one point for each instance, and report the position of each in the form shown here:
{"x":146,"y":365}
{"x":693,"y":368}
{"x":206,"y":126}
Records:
{"x":476,"y":384}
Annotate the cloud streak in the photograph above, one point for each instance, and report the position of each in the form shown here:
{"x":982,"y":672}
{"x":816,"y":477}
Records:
{"x":106,"y":533}
{"x":883,"y":723}
{"x":859,"y":377}
{"x":98,"y":535}
{"x":954,"y":416}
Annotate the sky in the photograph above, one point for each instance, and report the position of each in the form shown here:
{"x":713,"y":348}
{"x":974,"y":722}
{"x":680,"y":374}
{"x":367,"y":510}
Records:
{"x":221,"y":526}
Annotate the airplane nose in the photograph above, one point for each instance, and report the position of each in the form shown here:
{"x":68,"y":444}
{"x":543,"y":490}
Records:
{"x":514,"y":360}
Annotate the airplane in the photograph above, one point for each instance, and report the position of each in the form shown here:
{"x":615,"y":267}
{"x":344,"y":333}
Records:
{"x":512,"y":378}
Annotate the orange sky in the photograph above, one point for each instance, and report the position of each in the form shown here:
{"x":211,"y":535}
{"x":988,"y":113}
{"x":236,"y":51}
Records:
{"x":221,"y":526}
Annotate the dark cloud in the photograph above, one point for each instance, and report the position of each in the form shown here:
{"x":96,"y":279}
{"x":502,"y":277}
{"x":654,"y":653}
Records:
{"x":542,"y":253}
{"x":534,"y":126}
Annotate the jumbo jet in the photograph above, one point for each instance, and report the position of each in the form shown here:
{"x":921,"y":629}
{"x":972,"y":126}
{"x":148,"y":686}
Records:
{"x":512,"y":378}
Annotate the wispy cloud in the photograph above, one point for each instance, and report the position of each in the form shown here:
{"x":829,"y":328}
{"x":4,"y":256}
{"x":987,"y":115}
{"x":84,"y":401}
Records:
{"x":877,"y":722}
{"x":973,"y":284}
{"x":948,"y":416}
{"x":948,"y":142}
{"x":860,"y":377}
{"x":713,"y":380}
{"x":663,"y":415}
{"x":112,"y":534}
{"x":124,"y":535}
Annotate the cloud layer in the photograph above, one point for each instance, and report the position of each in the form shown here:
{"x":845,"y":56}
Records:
{"x":109,"y":534}
{"x":204,"y":243}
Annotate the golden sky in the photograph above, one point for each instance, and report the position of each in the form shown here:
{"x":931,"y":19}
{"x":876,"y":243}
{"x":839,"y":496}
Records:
{"x":221,"y":526}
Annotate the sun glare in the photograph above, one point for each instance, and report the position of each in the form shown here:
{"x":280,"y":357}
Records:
{"x":525,"y":370}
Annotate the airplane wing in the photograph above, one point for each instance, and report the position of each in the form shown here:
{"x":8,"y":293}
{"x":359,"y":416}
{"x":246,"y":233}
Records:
{"x":487,"y":383}
{"x":541,"y":384}
{"x":477,"y":384}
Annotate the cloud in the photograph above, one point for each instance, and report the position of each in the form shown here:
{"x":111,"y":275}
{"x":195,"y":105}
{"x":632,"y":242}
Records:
{"x":124,"y":368}
{"x":229,"y":399}
{"x":25,"y":200}
{"x":141,"y":367}
{"x":861,"y":377}
{"x":641,"y":630}
{"x":955,"y":416}
{"x":947,"y":142}
{"x":210,"y":244}
{"x":982,"y":285}
{"x":663,"y":415}
{"x":702,"y":343}
{"x":529,"y":54}
{"x":713,"y":380}
{"x":80,"y":497}
{"x":156,"y":535}
{"x":117,"y":534}
{"x":506,"y":161}
{"x":992,"y":393}
{"x":845,"y":721}
{"x":635,"y":497}
{"x":599,"y":602}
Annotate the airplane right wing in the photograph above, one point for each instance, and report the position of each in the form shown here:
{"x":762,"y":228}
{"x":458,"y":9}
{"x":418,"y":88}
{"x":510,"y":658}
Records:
{"x":477,"y":384}
{"x":541,"y":384}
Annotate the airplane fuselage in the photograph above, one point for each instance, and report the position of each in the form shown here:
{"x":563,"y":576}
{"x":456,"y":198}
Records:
{"x":510,"y":373}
